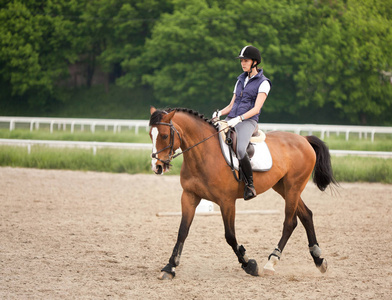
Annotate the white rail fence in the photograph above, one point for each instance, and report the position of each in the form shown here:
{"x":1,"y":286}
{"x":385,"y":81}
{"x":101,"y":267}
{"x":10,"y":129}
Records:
{"x":73,"y":144}
{"x":116,"y":125}
{"x":325,"y":130}
{"x":98,"y":145}
{"x":64,"y":123}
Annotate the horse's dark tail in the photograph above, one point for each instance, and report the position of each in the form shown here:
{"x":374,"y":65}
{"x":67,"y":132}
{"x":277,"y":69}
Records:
{"x":322,"y":173}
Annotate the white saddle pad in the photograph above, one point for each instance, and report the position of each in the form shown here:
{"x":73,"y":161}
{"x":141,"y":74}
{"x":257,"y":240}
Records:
{"x":261,"y":160}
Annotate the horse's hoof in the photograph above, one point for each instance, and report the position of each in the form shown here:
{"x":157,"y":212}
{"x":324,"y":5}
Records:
{"x":269,"y":266}
{"x":323,"y":267}
{"x":268,"y":270}
{"x":165,"y":276}
{"x":252,"y":268}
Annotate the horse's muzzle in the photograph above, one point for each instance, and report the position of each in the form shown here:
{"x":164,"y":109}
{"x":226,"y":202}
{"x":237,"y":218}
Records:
{"x":158,"y":169}
{"x":161,"y":168}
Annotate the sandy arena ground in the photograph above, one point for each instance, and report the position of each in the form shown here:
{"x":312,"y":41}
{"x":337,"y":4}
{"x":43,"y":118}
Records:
{"x":87,"y":235}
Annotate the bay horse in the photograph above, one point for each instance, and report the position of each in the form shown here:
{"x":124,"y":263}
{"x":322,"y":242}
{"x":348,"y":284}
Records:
{"x":206,"y":175}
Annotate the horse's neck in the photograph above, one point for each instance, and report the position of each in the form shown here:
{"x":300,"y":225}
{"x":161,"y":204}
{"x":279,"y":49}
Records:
{"x":194,"y":131}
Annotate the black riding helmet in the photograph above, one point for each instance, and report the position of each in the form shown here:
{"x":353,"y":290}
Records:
{"x":250,"y":52}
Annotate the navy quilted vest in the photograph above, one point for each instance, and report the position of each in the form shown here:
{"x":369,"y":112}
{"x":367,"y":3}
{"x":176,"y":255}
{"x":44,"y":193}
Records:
{"x":246,"y":97}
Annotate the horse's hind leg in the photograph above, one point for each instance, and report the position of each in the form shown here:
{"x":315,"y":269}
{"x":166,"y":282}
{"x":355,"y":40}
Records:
{"x":295,"y":207}
{"x":290,"y":222}
{"x":228,"y":215}
{"x":189,"y":202}
{"x":306,"y":217}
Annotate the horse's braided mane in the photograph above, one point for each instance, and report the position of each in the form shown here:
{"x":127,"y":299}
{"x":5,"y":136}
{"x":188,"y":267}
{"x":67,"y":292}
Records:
{"x":156,"y":117}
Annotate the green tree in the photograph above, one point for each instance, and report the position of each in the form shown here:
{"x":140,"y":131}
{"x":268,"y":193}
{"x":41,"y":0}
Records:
{"x":277,"y":27}
{"x":39,"y":40}
{"x":329,"y":54}
{"x":35,"y":48}
{"x":191,"y":52}
{"x":189,"y":58}
{"x":188,"y":51}
{"x":345,"y":59}
{"x":112,"y":31}
{"x":134,"y":24}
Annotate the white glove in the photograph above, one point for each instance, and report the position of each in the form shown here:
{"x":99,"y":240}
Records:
{"x":216,"y":114}
{"x":234,"y":121}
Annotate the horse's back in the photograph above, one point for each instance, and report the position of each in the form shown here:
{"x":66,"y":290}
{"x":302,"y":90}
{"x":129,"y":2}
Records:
{"x":286,"y":139}
{"x":287,"y":147}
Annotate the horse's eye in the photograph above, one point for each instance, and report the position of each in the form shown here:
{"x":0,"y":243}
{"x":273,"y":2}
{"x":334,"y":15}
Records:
{"x":164,"y":136}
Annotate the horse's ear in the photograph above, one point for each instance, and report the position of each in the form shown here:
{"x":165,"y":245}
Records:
{"x":152,"y":109}
{"x":170,"y":115}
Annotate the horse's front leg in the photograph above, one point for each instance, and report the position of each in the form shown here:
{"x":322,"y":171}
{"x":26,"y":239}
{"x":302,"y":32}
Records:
{"x":228,"y":215}
{"x":189,"y":202}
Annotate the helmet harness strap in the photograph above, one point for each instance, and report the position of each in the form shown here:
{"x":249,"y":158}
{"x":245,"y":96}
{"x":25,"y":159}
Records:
{"x":254,"y":65}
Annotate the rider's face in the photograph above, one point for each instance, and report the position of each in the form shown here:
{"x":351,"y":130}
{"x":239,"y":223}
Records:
{"x":246,"y":64}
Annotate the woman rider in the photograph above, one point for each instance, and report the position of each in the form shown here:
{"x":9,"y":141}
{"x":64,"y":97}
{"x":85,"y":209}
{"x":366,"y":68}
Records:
{"x":250,"y":92}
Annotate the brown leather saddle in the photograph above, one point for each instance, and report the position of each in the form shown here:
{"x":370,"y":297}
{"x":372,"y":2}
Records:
{"x":231,"y":140}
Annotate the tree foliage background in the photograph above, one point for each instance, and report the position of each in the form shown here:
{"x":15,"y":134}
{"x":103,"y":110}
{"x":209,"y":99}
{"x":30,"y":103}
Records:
{"x":321,"y":55}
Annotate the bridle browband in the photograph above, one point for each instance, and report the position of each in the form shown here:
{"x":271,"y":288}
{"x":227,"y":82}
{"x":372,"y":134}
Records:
{"x":171,"y":143}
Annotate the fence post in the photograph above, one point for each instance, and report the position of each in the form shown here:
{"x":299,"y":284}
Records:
{"x":94,"y":148}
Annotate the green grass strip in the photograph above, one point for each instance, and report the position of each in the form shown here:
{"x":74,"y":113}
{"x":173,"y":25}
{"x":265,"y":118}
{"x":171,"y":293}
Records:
{"x":105,"y":160}
{"x":362,"y":169}
{"x":125,"y":136}
{"x":346,"y":169}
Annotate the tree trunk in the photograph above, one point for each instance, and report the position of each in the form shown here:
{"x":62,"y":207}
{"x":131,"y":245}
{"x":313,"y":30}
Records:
{"x":363,"y":119}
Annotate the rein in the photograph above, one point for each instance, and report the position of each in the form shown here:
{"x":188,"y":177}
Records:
{"x":171,"y":144}
{"x":189,"y":148}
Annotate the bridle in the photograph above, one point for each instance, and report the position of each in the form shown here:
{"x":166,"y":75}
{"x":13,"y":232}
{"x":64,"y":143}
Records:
{"x":171,"y":143}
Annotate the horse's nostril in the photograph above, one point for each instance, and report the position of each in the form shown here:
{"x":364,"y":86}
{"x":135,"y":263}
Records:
{"x":159,"y":169}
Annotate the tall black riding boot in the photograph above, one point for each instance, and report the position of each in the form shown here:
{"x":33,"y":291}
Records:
{"x":250,"y":191}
